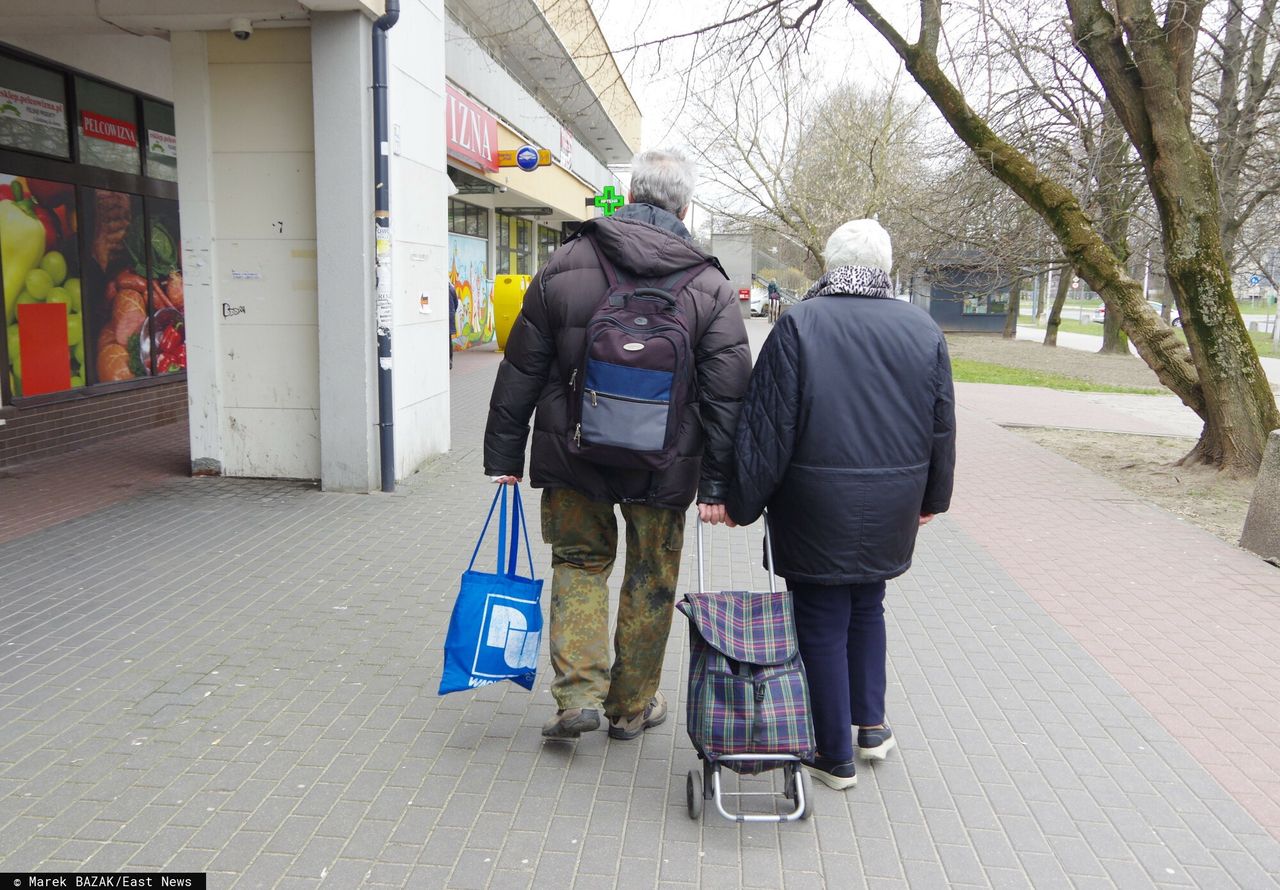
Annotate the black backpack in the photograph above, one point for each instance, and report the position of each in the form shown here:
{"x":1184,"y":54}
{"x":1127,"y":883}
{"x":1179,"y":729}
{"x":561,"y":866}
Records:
{"x":629,"y":389}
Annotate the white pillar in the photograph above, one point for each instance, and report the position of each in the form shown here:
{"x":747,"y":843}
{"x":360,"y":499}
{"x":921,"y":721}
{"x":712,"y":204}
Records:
{"x":192,"y":104}
{"x":341,"y":81}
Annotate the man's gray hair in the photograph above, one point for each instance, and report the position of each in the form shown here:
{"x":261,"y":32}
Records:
{"x":860,"y":242}
{"x":664,"y":178}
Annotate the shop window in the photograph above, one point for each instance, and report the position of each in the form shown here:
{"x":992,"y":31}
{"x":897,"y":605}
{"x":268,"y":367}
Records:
{"x":167,"y":321}
{"x":162,"y":144}
{"x":514,"y":245}
{"x":468,"y":219}
{"x":33,"y":109}
{"x":548,"y":240}
{"x":108,"y":126}
{"x":116,"y":285}
{"x":44,"y":325}
{"x":986,"y":304}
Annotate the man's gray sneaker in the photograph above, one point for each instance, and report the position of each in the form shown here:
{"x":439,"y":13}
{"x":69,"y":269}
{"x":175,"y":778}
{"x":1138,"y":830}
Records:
{"x":627,"y":728}
{"x":875,"y":744}
{"x":571,"y":723}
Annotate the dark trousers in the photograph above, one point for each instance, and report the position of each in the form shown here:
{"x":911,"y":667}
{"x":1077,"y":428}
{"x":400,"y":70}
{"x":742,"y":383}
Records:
{"x":842,"y":644}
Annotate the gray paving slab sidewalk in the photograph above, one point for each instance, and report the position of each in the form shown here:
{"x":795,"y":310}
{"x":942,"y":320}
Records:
{"x":239,"y":677}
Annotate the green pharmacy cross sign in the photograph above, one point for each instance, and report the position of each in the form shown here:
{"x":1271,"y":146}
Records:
{"x":608,"y":200}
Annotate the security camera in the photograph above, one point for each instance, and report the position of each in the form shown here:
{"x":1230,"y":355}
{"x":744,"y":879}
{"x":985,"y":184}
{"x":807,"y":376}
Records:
{"x":242,"y":28}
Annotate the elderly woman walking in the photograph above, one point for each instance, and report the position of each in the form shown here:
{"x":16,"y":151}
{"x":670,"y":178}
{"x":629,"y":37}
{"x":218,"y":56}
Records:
{"x":847,"y":436}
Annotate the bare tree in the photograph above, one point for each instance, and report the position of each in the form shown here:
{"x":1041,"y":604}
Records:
{"x":1145,"y":67}
{"x":795,"y":163}
{"x":1144,"y":63}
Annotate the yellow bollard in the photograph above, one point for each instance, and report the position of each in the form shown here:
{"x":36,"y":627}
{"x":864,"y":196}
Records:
{"x":508,"y":297}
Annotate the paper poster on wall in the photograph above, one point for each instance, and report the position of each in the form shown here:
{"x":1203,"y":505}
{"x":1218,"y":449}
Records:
{"x":469,"y":275}
{"x":41,"y":266}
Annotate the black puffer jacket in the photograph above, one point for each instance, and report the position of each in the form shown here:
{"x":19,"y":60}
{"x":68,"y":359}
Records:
{"x":547,"y":341}
{"x":847,"y":435}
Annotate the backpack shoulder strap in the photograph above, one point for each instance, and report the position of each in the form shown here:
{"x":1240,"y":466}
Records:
{"x":673,"y":284}
{"x":611,"y":273}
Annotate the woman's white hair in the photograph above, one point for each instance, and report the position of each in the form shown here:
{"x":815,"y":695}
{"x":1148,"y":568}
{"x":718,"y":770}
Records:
{"x":664,"y":178}
{"x":860,"y":242}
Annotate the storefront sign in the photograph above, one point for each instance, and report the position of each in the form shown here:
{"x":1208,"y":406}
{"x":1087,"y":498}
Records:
{"x":471,"y":133}
{"x":31,"y":109}
{"x":608,"y":200}
{"x":162,"y":145}
{"x":526,"y":157}
{"x":108,"y":129}
{"x":566,"y":147}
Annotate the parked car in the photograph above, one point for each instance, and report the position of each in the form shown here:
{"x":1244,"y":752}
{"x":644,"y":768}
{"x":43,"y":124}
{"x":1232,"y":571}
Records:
{"x":1099,"y":314}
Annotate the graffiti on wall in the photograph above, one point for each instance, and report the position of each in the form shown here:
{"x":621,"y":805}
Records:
{"x":468,"y":273}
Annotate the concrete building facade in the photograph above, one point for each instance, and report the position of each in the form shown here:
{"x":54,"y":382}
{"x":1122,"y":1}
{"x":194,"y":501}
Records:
{"x":272,"y":133}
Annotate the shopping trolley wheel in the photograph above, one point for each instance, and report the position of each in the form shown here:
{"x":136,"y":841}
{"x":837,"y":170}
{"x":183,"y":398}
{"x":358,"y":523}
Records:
{"x":806,"y":784}
{"x":693,"y":792}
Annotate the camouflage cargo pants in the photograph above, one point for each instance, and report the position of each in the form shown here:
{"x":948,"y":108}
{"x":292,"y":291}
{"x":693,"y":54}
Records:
{"x":583,"y":535}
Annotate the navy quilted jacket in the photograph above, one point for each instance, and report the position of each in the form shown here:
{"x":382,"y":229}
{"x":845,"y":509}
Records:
{"x":847,"y":435}
{"x":547,"y":340}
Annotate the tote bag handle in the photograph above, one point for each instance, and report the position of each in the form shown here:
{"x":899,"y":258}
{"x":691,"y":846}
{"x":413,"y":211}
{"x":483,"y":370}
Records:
{"x":518,"y":525}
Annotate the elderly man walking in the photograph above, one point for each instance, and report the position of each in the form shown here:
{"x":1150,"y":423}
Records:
{"x":644,"y":244}
{"x":848,"y":437}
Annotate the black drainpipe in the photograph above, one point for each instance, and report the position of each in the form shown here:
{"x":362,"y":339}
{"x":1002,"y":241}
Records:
{"x":382,"y":243}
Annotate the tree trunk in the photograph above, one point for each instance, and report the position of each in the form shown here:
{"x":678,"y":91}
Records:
{"x":1147,"y":82}
{"x":1114,"y":196}
{"x":1059,"y":300}
{"x":1114,"y":342}
{"x":1015,"y":309}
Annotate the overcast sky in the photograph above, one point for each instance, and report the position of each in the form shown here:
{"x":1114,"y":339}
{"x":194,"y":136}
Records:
{"x":841,"y":48}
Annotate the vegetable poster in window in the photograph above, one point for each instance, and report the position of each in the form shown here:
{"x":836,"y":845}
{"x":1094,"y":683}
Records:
{"x":41,"y":267}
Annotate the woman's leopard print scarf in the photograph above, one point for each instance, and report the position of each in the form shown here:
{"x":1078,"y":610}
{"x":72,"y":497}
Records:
{"x":861,"y":281}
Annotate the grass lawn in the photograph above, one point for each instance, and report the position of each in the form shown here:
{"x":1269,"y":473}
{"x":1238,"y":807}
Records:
{"x":969,"y":371}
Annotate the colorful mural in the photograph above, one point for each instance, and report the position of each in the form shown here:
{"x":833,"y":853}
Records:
{"x":469,"y":275}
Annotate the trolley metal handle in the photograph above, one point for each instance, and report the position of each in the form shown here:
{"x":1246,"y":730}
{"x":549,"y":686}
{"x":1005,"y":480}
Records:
{"x":768,"y":556}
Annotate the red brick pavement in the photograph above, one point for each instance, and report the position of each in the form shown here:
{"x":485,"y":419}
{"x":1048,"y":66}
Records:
{"x":36,"y":495}
{"x":1189,"y":625}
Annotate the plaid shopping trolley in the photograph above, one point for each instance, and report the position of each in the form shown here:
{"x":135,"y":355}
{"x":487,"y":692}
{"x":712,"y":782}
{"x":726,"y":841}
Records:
{"x":748,"y":699}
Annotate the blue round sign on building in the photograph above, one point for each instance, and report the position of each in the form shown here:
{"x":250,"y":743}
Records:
{"x":1254,"y":279}
{"x":527,"y":157}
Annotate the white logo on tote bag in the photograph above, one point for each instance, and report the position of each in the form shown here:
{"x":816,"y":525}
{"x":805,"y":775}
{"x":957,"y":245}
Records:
{"x":509,"y":632}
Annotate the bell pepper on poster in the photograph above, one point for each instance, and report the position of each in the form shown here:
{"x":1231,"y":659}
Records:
{"x":22,"y":244}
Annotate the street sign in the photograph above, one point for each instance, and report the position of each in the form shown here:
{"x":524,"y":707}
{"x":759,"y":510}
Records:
{"x":744,"y":293}
{"x":608,"y":200}
{"x":1254,"y":280}
{"x":526,"y":157}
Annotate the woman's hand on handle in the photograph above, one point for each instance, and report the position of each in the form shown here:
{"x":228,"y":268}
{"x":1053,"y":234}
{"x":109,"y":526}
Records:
{"x":505,"y":480}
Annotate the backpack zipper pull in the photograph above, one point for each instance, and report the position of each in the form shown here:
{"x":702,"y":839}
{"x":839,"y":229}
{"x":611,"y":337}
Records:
{"x":573,"y":377}
{"x":593,"y":397}
{"x":577,"y":436}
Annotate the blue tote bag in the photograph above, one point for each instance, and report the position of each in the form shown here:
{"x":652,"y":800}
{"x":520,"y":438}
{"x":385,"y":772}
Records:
{"x":496,"y":627}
